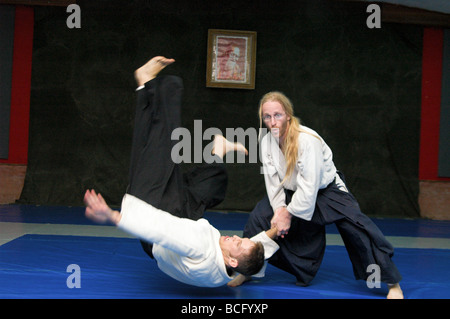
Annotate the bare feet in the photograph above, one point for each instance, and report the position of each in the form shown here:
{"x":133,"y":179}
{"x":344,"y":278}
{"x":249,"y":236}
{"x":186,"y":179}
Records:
{"x":395,"y":292}
{"x":151,"y":69}
{"x":222,"y":146}
{"x":238,"y":280}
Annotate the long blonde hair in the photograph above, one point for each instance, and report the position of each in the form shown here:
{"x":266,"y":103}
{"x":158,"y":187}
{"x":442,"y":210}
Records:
{"x":290,"y":146}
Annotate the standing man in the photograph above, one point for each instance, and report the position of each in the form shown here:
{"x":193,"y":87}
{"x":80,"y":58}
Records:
{"x":303,"y":186}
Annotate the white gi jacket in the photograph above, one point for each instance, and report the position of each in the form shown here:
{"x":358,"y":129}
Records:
{"x":186,"y":250}
{"x":314,"y":170}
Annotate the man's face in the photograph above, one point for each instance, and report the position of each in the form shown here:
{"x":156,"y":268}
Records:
{"x":235,"y":246}
{"x":275,"y":118}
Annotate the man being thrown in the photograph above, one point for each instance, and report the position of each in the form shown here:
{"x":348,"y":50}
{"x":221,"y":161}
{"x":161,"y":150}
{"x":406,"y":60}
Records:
{"x":163,"y":207}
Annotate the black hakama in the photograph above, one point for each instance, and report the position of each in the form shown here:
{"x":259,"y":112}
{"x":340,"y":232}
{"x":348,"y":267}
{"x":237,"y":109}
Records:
{"x":154,"y":176}
{"x":301,"y":251}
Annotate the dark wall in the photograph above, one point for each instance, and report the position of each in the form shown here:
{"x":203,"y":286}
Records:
{"x":444,"y":125}
{"x":6,"y":56}
{"x":358,"y":87}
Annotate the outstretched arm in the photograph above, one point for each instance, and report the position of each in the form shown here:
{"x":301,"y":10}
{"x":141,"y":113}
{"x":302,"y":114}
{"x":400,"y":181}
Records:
{"x":97,"y":209}
{"x":272,"y":233}
{"x":183,"y":236}
{"x":144,"y":221}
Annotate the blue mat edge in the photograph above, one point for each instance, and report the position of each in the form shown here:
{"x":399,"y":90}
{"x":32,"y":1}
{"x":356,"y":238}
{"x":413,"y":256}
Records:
{"x":20,"y":213}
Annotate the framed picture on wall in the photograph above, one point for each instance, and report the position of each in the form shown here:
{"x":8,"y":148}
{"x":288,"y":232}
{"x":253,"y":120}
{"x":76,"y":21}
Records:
{"x":231,"y":60}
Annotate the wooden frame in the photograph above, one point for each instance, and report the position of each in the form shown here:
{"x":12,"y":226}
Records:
{"x":231,"y":60}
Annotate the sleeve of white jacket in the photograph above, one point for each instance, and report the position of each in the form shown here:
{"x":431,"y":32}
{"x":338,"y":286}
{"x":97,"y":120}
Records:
{"x":270,"y":248}
{"x":142,"y":220}
{"x":274,"y":188}
{"x":310,"y":171}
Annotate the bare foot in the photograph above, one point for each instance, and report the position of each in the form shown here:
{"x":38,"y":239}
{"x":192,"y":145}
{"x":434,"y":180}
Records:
{"x":395,"y":292}
{"x":222,"y":146}
{"x":238,"y":280}
{"x":151,"y":69}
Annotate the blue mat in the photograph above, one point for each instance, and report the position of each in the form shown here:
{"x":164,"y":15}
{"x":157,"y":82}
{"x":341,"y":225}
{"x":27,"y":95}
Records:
{"x":35,"y":266}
